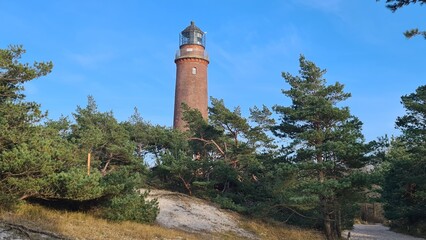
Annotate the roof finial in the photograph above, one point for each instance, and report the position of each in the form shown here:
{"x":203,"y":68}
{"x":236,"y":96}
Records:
{"x":192,"y":23}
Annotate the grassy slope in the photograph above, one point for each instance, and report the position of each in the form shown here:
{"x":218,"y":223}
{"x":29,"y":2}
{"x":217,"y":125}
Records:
{"x":83,"y":226}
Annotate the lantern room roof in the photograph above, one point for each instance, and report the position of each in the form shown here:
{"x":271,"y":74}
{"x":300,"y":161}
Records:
{"x":192,"y":28}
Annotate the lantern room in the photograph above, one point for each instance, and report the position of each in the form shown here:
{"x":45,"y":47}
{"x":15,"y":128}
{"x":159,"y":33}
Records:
{"x":192,"y":35}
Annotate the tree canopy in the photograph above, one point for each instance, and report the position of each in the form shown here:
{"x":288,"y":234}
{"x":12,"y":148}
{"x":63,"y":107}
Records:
{"x":394,"y":5}
{"x":13,"y":73}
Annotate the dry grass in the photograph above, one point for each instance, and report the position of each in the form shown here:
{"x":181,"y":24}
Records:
{"x":84,"y":226}
{"x":275,"y":230}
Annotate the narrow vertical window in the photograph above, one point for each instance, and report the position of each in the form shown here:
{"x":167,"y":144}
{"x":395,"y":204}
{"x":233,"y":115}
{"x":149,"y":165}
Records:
{"x":194,"y":70}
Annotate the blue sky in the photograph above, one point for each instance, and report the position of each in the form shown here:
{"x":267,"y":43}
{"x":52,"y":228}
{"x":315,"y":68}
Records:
{"x":122,"y":52}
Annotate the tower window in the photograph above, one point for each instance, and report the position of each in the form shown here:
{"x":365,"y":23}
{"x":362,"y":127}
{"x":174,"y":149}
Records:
{"x":194,"y":70}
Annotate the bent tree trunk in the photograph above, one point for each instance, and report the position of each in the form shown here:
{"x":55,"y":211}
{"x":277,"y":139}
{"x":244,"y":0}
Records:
{"x":186,"y":184}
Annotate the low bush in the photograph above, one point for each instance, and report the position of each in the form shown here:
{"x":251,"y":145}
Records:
{"x":131,"y":207}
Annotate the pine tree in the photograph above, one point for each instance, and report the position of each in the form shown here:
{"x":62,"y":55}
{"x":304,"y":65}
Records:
{"x":23,"y":163}
{"x":325,"y":142}
{"x":404,"y":188}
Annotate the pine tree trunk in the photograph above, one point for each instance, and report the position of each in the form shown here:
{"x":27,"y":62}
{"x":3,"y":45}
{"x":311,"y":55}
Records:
{"x":326,"y":218}
{"x":186,"y":184}
{"x":327,"y":228}
{"x":327,"y":223}
{"x":338,"y":222}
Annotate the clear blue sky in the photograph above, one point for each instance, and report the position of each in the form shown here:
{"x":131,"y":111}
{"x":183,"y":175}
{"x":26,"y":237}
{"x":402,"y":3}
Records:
{"x":122,"y":52}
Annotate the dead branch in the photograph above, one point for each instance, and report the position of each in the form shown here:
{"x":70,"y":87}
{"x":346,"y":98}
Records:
{"x":29,"y":231}
{"x":209,"y":142}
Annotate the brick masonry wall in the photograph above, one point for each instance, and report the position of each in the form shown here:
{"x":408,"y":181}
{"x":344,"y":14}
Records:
{"x":190,"y":88}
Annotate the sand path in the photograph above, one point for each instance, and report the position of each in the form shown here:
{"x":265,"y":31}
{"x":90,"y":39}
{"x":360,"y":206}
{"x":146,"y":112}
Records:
{"x":376,"y":232}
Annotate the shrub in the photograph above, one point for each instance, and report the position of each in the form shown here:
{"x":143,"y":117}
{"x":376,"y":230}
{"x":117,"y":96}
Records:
{"x":75,"y":184}
{"x":227,"y":203}
{"x":7,"y":202}
{"x":132,"y":207}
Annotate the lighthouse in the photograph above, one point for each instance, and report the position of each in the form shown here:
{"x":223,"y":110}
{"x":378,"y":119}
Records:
{"x":191,"y":74}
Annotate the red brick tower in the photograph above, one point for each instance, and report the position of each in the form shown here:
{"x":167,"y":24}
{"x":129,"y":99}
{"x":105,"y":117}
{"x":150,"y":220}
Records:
{"x":191,"y":74}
